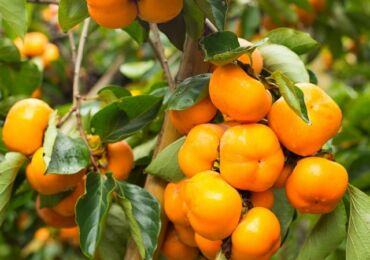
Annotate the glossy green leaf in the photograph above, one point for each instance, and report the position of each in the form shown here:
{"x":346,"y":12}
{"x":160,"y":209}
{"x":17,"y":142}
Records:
{"x":326,"y":236}
{"x":358,"y":239}
{"x":215,"y":11}
{"x":71,"y":13}
{"x":8,"y":51}
{"x":14,"y":15}
{"x":280,"y":58}
{"x":292,"y":94}
{"x":166,"y":165}
{"x":189,"y":92}
{"x":144,"y":215}
{"x":124,"y":117}
{"x":283,"y":211}
{"x":175,"y":30}
{"x":112,"y":93}
{"x":138,"y":31}
{"x":297,"y":41}
{"x":194,"y":19}
{"x":9,"y":168}
{"x":92,"y":210}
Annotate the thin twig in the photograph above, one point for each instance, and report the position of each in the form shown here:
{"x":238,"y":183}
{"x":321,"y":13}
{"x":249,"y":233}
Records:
{"x":72,"y":44}
{"x":44,"y":2}
{"x":156,"y":43}
{"x":211,"y":26}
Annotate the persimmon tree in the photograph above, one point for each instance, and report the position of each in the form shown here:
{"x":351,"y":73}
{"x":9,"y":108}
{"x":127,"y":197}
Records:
{"x":156,"y":104}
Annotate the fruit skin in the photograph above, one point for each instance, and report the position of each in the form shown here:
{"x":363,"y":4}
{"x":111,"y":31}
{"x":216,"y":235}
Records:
{"x":214,"y":207}
{"x":174,"y":249}
{"x":53,"y":219}
{"x":316,"y":185}
{"x":238,"y":95}
{"x":257,"y":59}
{"x":257,"y":236}
{"x":50,"y":54}
{"x":200,"y":149}
{"x":250,"y":157}
{"x":185,"y":120}
{"x":299,"y":137}
{"x":72,"y":235}
{"x":25,"y":125}
{"x":264,"y":199}
{"x":66,"y":207}
{"x":174,"y":204}
{"x":285,"y":173}
{"x":120,"y":159}
{"x":34,"y":44}
{"x":113,"y":14}
{"x":51,"y":183}
{"x":37,"y":93}
{"x":208,"y":247}
{"x":186,"y":235}
{"x":42,"y":234}
{"x":154,"y":11}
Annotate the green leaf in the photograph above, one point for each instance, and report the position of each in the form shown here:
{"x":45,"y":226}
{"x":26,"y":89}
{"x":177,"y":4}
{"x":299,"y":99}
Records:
{"x":49,"y":201}
{"x":283,"y":211}
{"x":292,"y":94}
{"x":280,"y":58}
{"x":166,"y":165}
{"x":124,"y":117}
{"x":92,"y":210}
{"x":115,"y":236}
{"x":71,"y":13}
{"x":69,"y":155}
{"x":112,"y":93}
{"x":326,"y":236}
{"x":297,"y":41}
{"x":189,"y":92}
{"x":250,"y":21}
{"x":14,"y":15}
{"x":194,"y":19}
{"x":221,"y":48}
{"x":358,"y":239}
{"x":9,"y":168}
{"x":138,"y":31}
{"x":175,"y":30}
{"x":144,"y":215}
{"x":215,"y":11}
{"x":136,"y":69}
{"x":8,"y":51}
{"x":20,"y":78}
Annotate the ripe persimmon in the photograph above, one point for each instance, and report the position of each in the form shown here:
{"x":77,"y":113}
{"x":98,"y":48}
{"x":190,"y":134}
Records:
{"x":37,"y":93}
{"x":200,"y":113}
{"x":174,"y":204}
{"x":159,"y":11}
{"x":250,"y":157}
{"x":257,"y":236}
{"x":71,"y":235}
{"x":299,"y":137}
{"x":113,"y":14}
{"x":316,"y":185}
{"x":263,"y":199}
{"x":42,"y":234}
{"x":200,"y":149}
{"x":174,"y":249}
{"x":33,"y":45}
{"x":50,"y":54}
{"x":120,"y":160}
{"x":214,"y":207}
{"x":257,"y":59}
{"x":50,"y":183}
{"x":208,"y":247}
{"x":238,"y":95}
{"x":186,"y":235}
{"x":25,"y":125}
{"x":66,"y":207}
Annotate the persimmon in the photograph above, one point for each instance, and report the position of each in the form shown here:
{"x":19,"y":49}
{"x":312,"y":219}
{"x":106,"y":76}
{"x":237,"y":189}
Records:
{"x":214,"y":207}
{"x":268,"y":23}
{"x":186,"y":235}
{"x":263,"y":199}
{"x":37,"y":93}
{"x":50,"y":54}
{"x":42,"y":234}
{"x":71,"y":235}
{"x":174,"y":204}
{"x":208,"y":247}
{"x":200,"y":149}
{"x":299,"y":137}
{"x":53,"y":219}
{"x":306,"y":17}
{"x":318,"y":5}
{"x":287,"y":170}
{"x":34,"y":44}
{"x":25,"y":125}
{"x":159,"y":11}
{"x":238,"y":95}
{"x":66,"y":207}
{"x":113,"y":14}
{"x":250,"y":157}
{"x":257,"y":236}
{"x":174,"y":249}
{"x":257,"y":59}
{"x":316,"y":185}
{"x":200,"y":113}
{"x":51,"y":183}
{"x":120,"y":159}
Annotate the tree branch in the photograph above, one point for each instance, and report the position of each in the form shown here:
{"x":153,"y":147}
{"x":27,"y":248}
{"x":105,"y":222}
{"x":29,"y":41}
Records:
{"x":72,"y":44}
{"x":44,"y":2}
